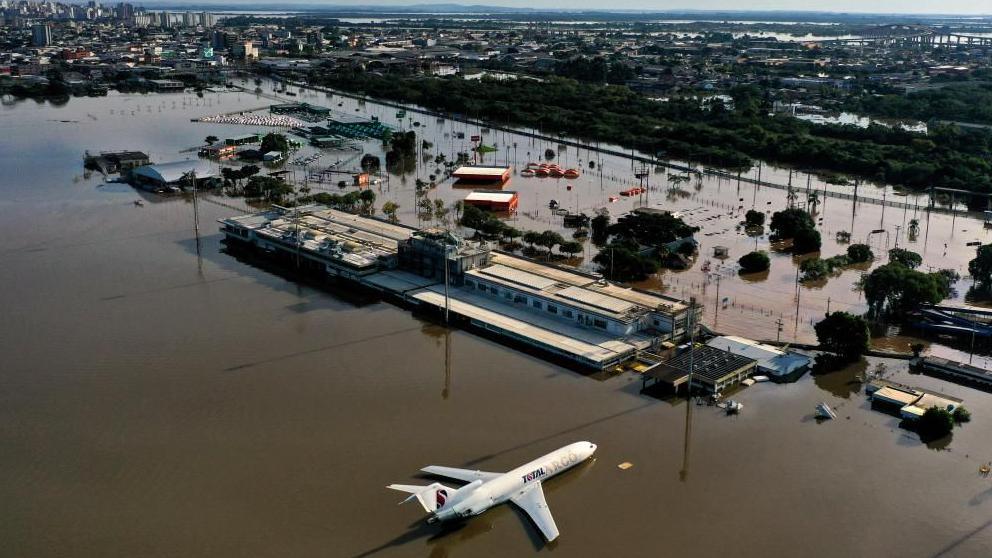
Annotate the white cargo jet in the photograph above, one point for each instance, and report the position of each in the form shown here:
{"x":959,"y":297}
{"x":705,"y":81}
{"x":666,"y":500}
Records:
{"x":522,"y":486}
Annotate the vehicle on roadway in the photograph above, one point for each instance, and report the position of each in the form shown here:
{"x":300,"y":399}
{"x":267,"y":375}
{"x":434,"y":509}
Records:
{"x":521,"y":486}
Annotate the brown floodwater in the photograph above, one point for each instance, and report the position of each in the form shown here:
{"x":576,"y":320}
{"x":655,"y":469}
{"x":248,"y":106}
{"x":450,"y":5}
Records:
{"x":157,"y":400}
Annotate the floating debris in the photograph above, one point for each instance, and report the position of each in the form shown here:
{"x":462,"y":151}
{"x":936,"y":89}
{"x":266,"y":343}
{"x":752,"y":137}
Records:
{"x":823,"y":411}
{"x":625,"y":465}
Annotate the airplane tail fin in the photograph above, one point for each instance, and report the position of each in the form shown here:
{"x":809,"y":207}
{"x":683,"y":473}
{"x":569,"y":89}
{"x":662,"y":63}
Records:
{"x":432,"y":497}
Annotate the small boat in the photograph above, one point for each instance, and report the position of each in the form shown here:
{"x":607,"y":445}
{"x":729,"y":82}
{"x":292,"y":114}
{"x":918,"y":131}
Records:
{"x":555,"y":173}
{"x":823,"y":411}
{"x":760,"y":378}
{"x":571,"y":173}
{"x":527,"y":172}
{"x":541,"y":173}
{"x":614,"y":199}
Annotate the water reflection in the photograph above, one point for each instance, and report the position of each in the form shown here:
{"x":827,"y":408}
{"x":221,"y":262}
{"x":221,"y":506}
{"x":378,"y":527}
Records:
{"x":843,"y":383}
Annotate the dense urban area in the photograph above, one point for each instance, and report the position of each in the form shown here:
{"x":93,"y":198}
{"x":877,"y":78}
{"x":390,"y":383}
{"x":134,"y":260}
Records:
{"x":713,"y":208}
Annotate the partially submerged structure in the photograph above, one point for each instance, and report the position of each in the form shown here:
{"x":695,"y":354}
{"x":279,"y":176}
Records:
{"x":109,"y":162}
{"x":772,"y":361}
{"x":577,"y":316}
{"x":908,"y":402}
{"x":177,"y":174}
{"x":493,"y":200}
{"x":701,"y":367}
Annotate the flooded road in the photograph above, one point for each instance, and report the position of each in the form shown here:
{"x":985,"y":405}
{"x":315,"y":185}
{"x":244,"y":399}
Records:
{"x":155,"y":402}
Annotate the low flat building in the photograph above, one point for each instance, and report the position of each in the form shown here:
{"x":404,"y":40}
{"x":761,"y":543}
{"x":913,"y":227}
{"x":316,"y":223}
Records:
{"x":956,"y":371}
{"x":117,"y":161}
{"x":482,"y":174}
{"x":218,"y":151}
{"x":244,"y":139}
{"x":771,"y":360}
{"x":895,"y":396}
{"x":175,"y":174}
{"x":908,"y":402}
{"x":167,"y":85}
{"x":707,"y":368}
{"x":493,"y":200}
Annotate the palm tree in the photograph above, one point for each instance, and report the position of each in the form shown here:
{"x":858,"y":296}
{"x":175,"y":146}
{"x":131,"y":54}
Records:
{"x":914,"y":228}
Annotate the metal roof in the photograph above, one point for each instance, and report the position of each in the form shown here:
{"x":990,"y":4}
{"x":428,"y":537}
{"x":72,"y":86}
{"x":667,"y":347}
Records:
{"x":173,"y":172}
{"x":708,"y":364}
{"x":504,"y":197}
{"x":494,"y":172}
{"x":517,"y":276}
{"x":596,"y":300}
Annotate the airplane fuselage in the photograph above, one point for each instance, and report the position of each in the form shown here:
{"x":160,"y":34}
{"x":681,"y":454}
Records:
{"x":471,"y":501}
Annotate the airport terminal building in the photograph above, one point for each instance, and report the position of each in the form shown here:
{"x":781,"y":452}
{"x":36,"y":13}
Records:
{"x":577,"y":316}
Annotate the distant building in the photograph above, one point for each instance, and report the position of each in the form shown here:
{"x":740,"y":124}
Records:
{"x":175,"y":174}
{"x":493,"y":200}
{"x":482,"y":174}
{"x":117,"y":161}
{"x":41,"y":35}
{"x":243,"y":139}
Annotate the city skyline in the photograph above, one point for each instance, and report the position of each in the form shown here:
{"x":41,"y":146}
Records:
{"x":880,"y":7}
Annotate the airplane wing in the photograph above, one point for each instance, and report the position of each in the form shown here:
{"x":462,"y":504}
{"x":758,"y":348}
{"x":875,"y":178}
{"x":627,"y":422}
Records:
{"x":466,"y":475}
{"x":531,"y":500}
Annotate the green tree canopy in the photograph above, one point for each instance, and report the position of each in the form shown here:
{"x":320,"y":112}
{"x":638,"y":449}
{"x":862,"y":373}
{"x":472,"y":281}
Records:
{"x":898,"y":289}
{"x":274,"y":142}
{"x":934,"y":424}
{"x":754,"y":262}
{"x":980,"y":267}
{"x":754,"y":218}
{"x":904,"y":257}
{"x":806,"y":241}
{"x":858,"y":253}
{"x":620,"y":261}
{"x":788,"y":222}
{"x":843,"y":334}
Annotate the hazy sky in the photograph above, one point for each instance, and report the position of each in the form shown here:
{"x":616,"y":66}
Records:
{"x":873,"y":6}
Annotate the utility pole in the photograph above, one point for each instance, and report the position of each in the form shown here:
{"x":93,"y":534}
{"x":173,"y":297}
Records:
{"x":196,"y":207}
{"x":828,"y":305}
{"x":447,"y":303}
{"x":717,"y":313}
{"x":692,"y":342}
{"x":778,"y":334}
{"x":971,"y":352}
